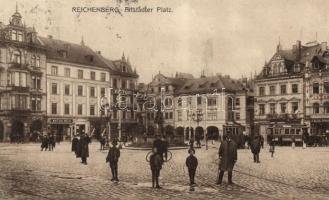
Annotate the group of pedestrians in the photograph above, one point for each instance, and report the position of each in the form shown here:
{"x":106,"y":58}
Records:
{"x":48,"y":142}
{"x":227,"y":157}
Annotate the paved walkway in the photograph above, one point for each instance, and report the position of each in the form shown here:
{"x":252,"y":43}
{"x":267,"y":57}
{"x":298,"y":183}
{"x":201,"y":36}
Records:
{"x":28,"y":173}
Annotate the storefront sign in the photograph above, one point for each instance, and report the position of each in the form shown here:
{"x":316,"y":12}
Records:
{"x":60,"y":121}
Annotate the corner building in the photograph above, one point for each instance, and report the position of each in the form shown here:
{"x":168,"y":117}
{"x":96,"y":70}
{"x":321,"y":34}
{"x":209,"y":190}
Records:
{"x":22,"y":82}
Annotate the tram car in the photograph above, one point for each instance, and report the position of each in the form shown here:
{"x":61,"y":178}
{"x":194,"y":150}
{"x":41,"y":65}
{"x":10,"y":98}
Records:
{"x":285,"y":134}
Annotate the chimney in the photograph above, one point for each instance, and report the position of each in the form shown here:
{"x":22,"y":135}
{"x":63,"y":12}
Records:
{"x":99,"y":52}
{"x":323,"y":46}
{"x":50,"y":36}
{"x":298,"y":49}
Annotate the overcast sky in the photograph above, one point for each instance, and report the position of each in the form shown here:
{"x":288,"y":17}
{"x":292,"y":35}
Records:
{"x":224,"y":36}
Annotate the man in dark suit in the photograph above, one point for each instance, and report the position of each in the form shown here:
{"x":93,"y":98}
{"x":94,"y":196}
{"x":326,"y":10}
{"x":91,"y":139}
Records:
{"x":228,"y":156}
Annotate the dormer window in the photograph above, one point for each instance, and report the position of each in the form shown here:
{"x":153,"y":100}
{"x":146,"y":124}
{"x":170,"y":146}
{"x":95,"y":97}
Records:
{"x":17,"y":35}
{"x":124,"y":69}
{"x":90,"y":58}
{"x":62,"y":53}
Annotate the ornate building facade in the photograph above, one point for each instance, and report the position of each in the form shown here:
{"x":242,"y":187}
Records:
{"x":291,"y":98}
{"x":195,"y":107}
{"x":214,"y":106}
{"x":22,"y":82}
{"x":50,"y":86}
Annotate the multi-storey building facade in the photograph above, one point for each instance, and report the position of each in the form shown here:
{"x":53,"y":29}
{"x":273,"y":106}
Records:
{"x":163,"y":89}
{"x":213,"y":106}
{"x":77,"y":79}
{"x":50,"y":86}
{"x":123,"y":87}
{"x":22,"y":81}
{"x":290,"y":97}
{"x":317,"y":91}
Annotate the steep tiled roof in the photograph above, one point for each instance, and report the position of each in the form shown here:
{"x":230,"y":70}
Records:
{"x":210,"y":85}
{"x":75,"y":53}
{"x":116,"y":67}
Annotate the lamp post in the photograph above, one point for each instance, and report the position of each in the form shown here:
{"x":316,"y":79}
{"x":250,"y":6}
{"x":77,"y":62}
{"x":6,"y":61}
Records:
{"x":105,"y":106}
{"x":197,"y":117}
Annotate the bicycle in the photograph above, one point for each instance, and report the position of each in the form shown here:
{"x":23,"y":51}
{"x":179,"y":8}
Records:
{"x":169,"y":156}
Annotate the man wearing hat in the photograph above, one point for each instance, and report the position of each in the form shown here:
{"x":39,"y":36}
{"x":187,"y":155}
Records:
{"x":113,"y":158}
{"x":227,"y":158}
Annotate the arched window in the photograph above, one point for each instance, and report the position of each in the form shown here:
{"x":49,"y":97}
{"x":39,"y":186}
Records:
{"x":316,"y":108}
{"x":17,"y":57}
{"x":326,"y":107}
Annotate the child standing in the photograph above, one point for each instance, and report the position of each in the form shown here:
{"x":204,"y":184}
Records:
{"x":156,"y":161}
{"x":192,"y":164}
{"x":113,"y":159}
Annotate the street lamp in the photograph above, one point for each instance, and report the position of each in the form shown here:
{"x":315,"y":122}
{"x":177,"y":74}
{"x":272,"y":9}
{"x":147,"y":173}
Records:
{"x":105,"y":106}
{"x":197,"y":117}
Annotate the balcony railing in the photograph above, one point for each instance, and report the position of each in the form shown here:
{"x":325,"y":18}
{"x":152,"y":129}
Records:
{"x":20,"y":88}
{"x":283,"y":116}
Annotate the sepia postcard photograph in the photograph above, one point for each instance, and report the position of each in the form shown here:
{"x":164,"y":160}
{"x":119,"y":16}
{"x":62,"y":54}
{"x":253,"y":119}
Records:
{"x":164,"y":99}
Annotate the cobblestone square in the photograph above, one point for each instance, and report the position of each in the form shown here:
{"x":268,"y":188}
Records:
{"x":28,"y":173}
